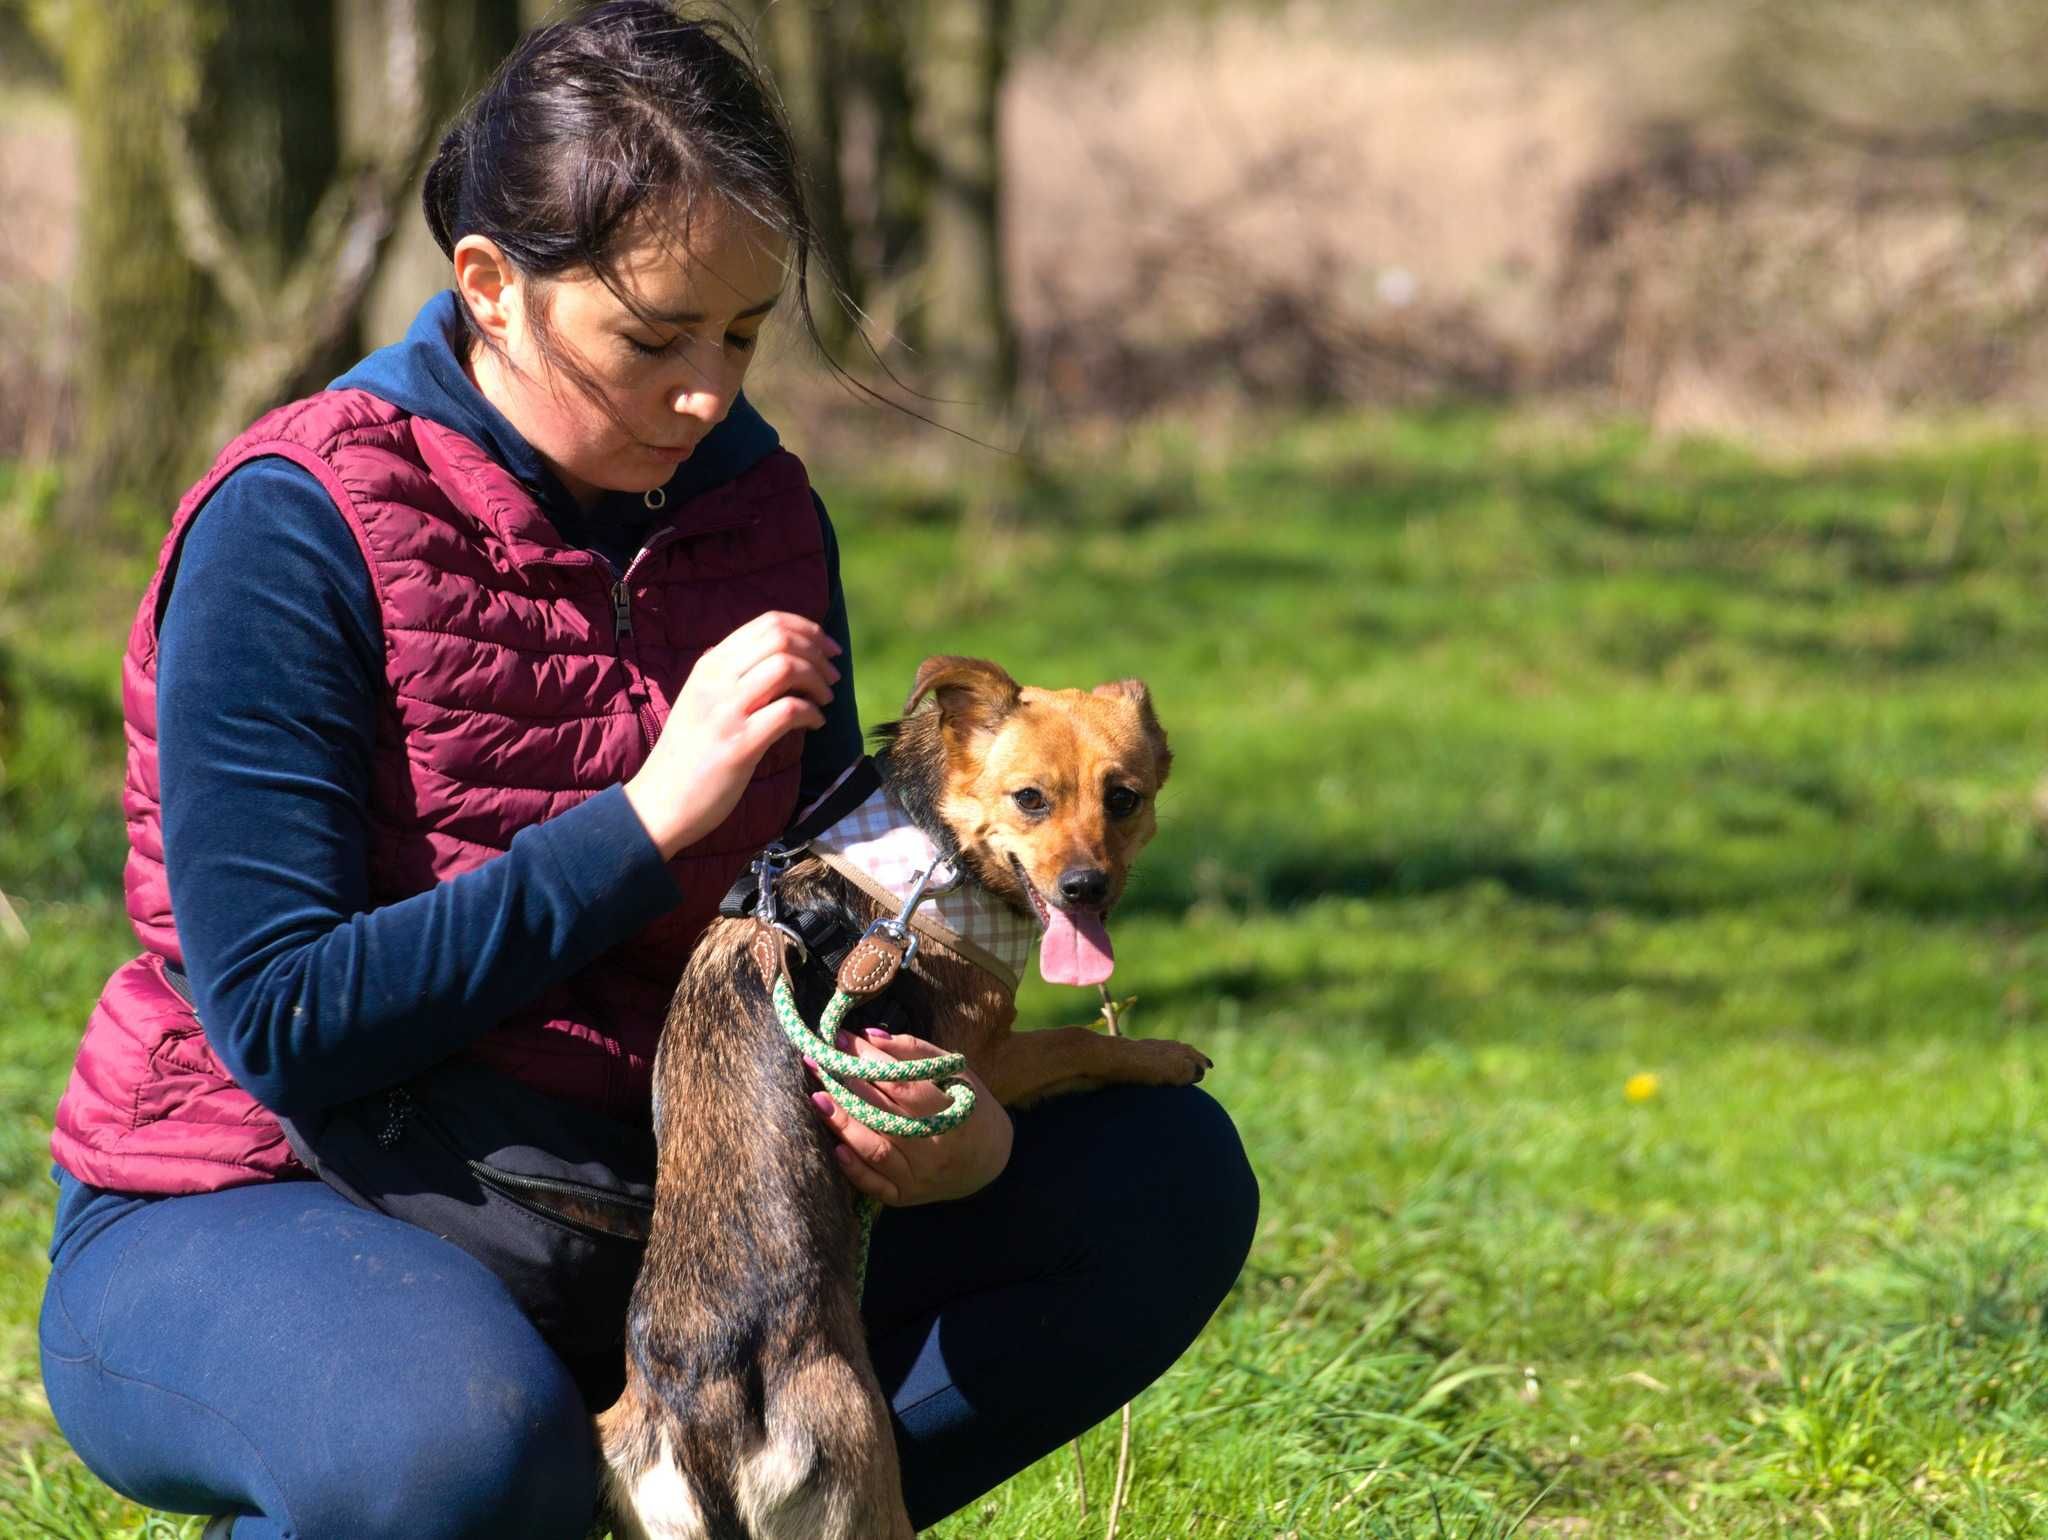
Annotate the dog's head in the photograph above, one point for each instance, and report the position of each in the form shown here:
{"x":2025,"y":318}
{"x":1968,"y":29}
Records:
{"x":1048,"y":793}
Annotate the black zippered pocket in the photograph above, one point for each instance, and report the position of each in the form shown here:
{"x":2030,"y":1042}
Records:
{"x":553,"y":1198}
{"x":583,"y":1208}
{"x":598,"y":1212}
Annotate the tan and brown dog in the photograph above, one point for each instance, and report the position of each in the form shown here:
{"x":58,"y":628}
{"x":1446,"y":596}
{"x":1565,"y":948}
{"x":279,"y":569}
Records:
{"x":751,"y":1411}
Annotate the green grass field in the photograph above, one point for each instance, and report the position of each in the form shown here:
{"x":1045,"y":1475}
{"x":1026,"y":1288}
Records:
{"x":1513,"y":762}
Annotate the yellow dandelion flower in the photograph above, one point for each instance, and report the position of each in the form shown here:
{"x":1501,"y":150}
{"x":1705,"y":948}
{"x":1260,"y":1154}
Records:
{"x":1641,"y":1087}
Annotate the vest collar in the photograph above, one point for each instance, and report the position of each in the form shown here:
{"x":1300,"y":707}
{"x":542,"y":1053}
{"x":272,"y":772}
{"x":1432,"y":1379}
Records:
{"x":507,"y":512}
{"x":490,"y":494}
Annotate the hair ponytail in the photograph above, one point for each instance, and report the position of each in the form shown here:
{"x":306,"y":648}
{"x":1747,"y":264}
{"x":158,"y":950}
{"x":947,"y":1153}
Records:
{"x":441,"y":197}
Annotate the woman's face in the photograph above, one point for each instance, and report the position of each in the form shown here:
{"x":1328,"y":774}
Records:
{"x":707,"y":287}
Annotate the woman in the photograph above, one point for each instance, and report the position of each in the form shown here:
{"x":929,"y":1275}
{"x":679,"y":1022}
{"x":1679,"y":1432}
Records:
{"x":462,"y":691}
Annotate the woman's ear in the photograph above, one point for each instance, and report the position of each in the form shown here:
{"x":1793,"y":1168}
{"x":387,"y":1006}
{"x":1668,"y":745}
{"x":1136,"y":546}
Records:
{"x":488,"y":284}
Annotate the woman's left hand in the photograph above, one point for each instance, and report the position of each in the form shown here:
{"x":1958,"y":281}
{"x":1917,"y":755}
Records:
{"x":904,"y":1172}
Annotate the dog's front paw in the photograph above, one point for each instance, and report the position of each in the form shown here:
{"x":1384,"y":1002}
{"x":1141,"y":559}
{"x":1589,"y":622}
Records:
{"x":1161,"y":1061}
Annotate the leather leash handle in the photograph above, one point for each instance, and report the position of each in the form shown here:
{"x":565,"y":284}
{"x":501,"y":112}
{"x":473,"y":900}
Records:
{"x":871,"y":966}
{"x":770,"y":951}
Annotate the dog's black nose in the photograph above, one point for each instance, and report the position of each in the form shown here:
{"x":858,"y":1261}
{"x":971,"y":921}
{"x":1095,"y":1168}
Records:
{"x":1084,"y":885}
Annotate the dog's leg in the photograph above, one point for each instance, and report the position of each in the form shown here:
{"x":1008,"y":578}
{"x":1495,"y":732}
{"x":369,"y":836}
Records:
{"x":826,"y":1466}
{"x":1023,"y":1067}
{"x":645,"y":1489}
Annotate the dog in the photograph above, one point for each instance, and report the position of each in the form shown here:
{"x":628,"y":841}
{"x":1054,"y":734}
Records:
{"x":751,"y":1411}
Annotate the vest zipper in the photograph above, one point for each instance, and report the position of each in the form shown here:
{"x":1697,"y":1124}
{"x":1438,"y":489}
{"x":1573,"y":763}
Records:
{"x":622,"y":628}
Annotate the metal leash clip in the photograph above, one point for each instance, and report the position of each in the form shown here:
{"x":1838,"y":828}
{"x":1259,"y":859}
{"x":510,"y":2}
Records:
{"x":769,"y":865}
{"x":928,"y":885}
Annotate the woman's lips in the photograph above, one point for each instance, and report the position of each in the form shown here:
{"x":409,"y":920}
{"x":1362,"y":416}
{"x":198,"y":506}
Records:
{"x":670,"y":451}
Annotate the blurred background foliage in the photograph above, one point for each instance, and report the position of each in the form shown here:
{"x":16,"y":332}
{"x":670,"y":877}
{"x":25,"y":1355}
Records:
{"x":1731,"y":215}
{"x":1571,"y":471}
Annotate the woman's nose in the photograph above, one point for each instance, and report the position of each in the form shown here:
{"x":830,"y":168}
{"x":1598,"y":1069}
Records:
{"x":703,"y":406}
{"x":706,"y":392}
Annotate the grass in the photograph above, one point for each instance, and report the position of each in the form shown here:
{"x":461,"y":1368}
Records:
{"x":1513,"y":762}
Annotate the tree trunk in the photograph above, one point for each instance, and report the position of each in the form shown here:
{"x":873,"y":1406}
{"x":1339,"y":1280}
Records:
{"x":883,"y":175}
{"x":957,"y":72}
{"x":267,"y":154}
{"x":801,"y":43}
{"x":153,"y":325}
{"x":469,"y":38}
{"x":228,"y":237}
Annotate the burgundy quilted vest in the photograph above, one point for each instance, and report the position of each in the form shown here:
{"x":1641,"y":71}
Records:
{"x":520,"y":681}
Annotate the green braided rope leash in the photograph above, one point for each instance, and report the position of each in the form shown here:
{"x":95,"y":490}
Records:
{"x":833,"y":1066}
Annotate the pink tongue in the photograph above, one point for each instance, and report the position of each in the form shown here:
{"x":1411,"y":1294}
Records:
{"x":1075,"y":949}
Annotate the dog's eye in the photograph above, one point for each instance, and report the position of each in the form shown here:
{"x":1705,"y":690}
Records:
{"x":1123,"y":801}
{"x":1030,"y":799}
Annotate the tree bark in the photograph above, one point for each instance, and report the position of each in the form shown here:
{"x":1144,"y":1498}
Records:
{"x":152,"y":321}
{"x":957,"y":73}
{"x":228,"y":237}
{"x":469,"y":38}
{"x":293,"y":314}
{"x":801,"y":44}
{"x":883,"y":175}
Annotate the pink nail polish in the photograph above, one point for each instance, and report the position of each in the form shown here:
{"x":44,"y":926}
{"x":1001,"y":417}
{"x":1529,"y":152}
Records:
{"x":842,"y":1042}
{"x":822,"y":1102}
{"x":876,"y":1034}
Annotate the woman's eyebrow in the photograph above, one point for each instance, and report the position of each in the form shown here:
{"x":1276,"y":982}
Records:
{"x":692,"y":317}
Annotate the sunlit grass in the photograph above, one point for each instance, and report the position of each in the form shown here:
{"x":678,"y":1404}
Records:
{"x":1514,"y":765}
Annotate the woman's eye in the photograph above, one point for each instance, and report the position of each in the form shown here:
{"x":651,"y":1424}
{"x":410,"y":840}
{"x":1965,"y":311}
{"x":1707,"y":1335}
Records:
{"x":1123,"y":802}
{"x":645,"y":349}
{"x":1030,"y":799}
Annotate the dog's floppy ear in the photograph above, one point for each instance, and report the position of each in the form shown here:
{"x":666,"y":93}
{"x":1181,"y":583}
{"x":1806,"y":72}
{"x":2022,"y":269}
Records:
{"x":973,"y":695}
{"x":1134,"y":690}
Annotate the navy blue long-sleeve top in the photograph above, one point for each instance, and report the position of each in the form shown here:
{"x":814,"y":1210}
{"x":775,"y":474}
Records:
{"x":269,"y":676}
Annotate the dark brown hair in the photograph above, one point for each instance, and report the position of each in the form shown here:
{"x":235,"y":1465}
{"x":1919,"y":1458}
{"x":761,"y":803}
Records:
{"x":593,"y":121}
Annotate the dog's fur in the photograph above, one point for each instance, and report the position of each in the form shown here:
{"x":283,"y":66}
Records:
{"x":751,"y":1411}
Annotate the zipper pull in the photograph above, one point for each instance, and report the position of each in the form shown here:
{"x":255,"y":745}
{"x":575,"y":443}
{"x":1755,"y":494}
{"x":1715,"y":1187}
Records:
{"x":622,"y":610}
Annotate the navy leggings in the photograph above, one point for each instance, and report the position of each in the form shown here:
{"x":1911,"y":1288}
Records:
{"x":333,"y":1374}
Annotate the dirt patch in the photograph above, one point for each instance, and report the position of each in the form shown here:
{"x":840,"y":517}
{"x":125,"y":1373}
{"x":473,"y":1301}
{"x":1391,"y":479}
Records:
{"x":38,"y":191}
{"x":1285,"y":152}
{"x":38,"y":251}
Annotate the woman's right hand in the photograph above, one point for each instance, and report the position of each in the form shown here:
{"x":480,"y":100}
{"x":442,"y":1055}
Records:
{"x":771,"y":676}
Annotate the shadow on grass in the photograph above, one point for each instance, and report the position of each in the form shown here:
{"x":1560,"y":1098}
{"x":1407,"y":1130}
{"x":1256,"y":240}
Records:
{"x":1904,"y":877}
{"x":1893,"y":526}
{"x":1408,"y":1010}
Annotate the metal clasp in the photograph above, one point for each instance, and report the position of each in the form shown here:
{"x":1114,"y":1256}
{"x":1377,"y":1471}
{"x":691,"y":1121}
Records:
{"x":928,"y":885}
{"x":770,"y":864}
